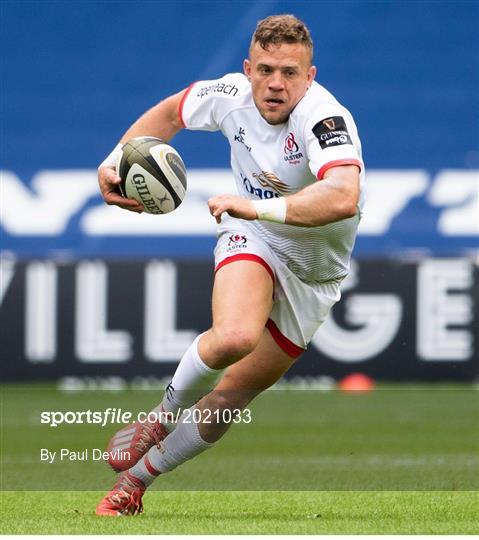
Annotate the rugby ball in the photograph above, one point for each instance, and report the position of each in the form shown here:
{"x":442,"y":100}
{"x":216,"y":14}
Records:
{"x":153,"y":173}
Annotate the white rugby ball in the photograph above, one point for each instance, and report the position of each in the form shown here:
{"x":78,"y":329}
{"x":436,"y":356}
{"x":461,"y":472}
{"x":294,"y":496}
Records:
{"x":153,"y":173}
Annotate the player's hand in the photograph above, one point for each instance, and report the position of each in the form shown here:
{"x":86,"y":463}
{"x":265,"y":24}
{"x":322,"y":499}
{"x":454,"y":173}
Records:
{"x":109,"y":183}
{"x":232,"y":204}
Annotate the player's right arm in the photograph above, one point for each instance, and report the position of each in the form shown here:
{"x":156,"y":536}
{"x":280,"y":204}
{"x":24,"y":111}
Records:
{"x":162,"y":121}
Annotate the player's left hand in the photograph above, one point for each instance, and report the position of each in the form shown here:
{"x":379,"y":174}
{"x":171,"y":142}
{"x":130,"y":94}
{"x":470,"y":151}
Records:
{"x":232,"y":204}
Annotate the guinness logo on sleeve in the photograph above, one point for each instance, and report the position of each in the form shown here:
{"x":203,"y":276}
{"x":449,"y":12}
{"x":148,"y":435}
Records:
{"x":332,"y":132}
{"x":329,"y":123}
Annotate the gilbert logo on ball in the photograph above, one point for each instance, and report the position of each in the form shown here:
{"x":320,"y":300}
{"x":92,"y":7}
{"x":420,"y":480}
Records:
{"x":153,"y":173}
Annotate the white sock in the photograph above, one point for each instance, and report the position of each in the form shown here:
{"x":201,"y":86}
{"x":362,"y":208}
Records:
{"x":192,"y":380}
{"x":182,"y":445}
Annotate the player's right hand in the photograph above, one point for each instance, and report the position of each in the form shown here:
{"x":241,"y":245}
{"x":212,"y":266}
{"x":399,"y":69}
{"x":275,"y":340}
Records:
{"x":109,"y":183}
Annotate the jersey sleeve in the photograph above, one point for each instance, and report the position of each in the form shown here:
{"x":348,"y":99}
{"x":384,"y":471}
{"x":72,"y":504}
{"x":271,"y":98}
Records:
{"x":205,"y":103}
{"x":332,"y":140}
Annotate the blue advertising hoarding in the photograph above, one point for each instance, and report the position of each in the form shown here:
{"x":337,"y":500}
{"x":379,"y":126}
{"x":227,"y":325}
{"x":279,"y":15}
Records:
{"x":76,"y":74}
{"x":61,"y":215}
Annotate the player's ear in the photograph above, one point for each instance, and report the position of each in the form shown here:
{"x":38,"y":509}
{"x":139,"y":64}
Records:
{"x":247,"y":68}
{"x":311,"y":74}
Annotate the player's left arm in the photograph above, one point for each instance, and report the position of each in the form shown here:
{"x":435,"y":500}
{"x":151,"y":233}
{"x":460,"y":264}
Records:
{"x":333,"y":198}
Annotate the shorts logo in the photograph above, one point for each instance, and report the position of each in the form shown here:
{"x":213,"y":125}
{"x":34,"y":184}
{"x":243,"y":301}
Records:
{"x":291,"y":150}
{"x":332,"y":132}
{"x":237,"y":240}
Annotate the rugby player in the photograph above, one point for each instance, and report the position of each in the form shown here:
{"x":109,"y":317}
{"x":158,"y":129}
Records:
{"x":284,"y":241}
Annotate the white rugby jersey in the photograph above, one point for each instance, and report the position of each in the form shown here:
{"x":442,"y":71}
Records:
{"x":274,"y":161}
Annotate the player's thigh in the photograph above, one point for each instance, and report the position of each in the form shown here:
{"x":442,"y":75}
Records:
{"x":242,"y":296}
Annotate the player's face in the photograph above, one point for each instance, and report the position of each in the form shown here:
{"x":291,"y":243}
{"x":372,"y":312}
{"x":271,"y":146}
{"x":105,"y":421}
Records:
{"x":280,"y":76}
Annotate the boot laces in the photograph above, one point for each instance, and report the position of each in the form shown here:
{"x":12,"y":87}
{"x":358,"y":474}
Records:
{"x":126,"y":497}
{"x":151,"y":434}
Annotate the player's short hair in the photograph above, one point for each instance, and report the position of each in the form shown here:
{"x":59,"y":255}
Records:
{"x":277,"y":29}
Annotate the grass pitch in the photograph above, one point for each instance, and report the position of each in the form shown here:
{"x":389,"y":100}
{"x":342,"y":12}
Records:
{"x":399,"y":460}
{"x":292,"y":512}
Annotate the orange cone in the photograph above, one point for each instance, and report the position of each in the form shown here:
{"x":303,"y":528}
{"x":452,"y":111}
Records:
{"x":356,"y":382}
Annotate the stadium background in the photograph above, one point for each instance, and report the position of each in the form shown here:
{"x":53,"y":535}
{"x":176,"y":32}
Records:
{"x":90,"y":290}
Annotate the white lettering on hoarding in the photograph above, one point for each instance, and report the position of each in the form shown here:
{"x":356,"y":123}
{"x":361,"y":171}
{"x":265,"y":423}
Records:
{"x":458,"y":191}
{"x":7,"y":271}
{"x":387,"y":195}
{"x":46,"y":208}
{"x":94,"y":342}
{"x":444,"y":316}
{"x":41,"y":312}
{"x":442,"y":310}
{"x":163,"y":342}
{"x":378,"y":317}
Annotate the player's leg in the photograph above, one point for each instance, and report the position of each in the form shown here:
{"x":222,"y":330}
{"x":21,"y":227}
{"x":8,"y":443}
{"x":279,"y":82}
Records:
{"x":241,"y":303}
{"x":241,"y":383}
{"x":197,"y":432}
{"x":242,"y":300}
{"x":297,"y":313}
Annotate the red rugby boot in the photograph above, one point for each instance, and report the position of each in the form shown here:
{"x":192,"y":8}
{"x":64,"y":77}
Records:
{"x":124,"y":499}
{"x":132,"y":442}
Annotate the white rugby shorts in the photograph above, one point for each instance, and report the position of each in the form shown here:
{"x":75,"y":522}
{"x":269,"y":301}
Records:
{"x":299,"y":308}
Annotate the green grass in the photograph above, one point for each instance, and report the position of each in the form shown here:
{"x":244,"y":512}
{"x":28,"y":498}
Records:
{"x":399,"y":460}
{"x":247,"y":513}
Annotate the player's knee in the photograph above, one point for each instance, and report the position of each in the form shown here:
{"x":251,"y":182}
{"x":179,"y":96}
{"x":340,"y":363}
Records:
{"x":233,"y":344}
